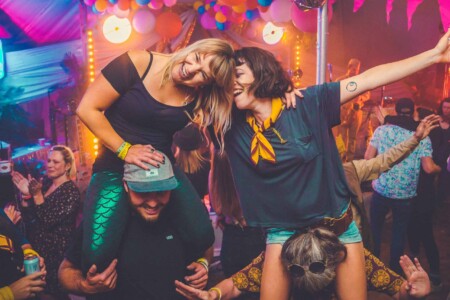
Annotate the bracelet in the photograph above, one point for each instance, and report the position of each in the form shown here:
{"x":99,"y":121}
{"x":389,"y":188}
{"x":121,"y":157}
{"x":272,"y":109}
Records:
{"x":123,"y":150}
{"x":217,"y":290}
{"x":204,"y":262}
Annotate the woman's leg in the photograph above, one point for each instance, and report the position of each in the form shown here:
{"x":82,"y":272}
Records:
{"x":351,"y":275}
{"x":105,"y":216}
{"x":275,"y":282}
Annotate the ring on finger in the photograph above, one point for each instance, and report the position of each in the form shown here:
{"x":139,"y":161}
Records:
{"x":152,"y":150}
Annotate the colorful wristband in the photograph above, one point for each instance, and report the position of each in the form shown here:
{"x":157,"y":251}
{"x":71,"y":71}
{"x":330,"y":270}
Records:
{"x":204,"y":262}
{"x":217,"y":290}
{"x":123,"y":150}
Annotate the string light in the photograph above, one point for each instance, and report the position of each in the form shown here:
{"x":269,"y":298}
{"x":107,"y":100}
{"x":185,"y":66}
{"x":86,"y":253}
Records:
{"x":296,"y":74}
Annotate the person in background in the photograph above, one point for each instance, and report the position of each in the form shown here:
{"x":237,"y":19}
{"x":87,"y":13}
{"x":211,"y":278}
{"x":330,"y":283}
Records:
{"x":49,"y":209}
{"x":14,"y":285}
{"x":443,"y":151}
{"x":134,"y":107}
{"x":311,"y":259}
{"x":191,"y":151}
{"x":396,"y":189}
{"x":351,"y":113}
{"x":152,"y":254}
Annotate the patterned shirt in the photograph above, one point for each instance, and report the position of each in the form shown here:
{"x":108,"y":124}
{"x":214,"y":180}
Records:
{"x":401,"y":181}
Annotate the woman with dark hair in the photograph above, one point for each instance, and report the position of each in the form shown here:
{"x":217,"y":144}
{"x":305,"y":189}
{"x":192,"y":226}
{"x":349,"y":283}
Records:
{"x":285,"y":165}
{"x":49,"y":210}
{"x":134,"y":107}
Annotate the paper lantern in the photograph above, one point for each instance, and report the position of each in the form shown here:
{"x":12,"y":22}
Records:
{"x":280,"y":10}
{"x":142,"y":2}
{"x":208,"y":21}
{"x":144,"y":21}
{"x":220,"y":17}
{"x":156,"y":4}
{"x":251,"y":4}
{"x":251,"y":14}
{"x":264,"y":3}
{"x":236,"y":18}
{"x":170,"y":3}
{"x":308,"y":4}
{"x":272,"y":34}
{"x":231,"y":2}
{"x":265,"y":15}
{"x":101,"y":5}
{"x":197,"y":4}
{"x":116,"y":30}
{"x":240,"y":9}
{"x":305,"y":21}
{"x":168,"y":24}
{"x":113,"y":1}
{"x":123,"y":4}
{"x":89,"y":2}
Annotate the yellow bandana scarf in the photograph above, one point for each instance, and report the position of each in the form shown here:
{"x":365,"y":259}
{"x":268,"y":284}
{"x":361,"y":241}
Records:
{"x":259,"y":145}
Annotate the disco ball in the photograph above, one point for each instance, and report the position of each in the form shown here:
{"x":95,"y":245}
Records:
{"x":309,"y":4}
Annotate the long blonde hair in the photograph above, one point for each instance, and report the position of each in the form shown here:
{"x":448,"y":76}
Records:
{"x":214,"y":100}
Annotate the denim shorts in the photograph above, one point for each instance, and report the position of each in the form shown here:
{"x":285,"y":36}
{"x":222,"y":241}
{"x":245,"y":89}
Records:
{"x":280,"y":235}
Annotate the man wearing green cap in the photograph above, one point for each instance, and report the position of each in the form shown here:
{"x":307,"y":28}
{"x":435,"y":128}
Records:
{"x":152,"y":255}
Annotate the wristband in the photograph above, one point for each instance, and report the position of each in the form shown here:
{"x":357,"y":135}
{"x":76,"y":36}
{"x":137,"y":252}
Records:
{"x":204,"y":263}
{"x":123,"y":150}
{"x":217,"y":290}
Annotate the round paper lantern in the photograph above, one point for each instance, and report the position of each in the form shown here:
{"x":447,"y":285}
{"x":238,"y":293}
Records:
{"x":220,"y":17}
{"x":231,"y":2}
{"x":101,"y":5}
{"x":170,"y":3}
{"x":272,"y":34}
{"x":304,"y":20}
{"x":168,"y":24}
{"x":208,"y":21}
{"x":220,"y":26}
{"x":201,"y":10}
{"x":156,"y":4}
{"x":134,"y":5}
{"x":251,"y":4}
{"x":113,"y":1}
{"x":240,"y":9}
{"x":116,"y":30}
{"x":144,"y":21}
{"x":197,"y":4}
{"x":89,"y":2}
{"x":263,"y":8}
{"x":236,"y":18}
{"x":94,"y":10}
{"x":120,"y":13}
{"x":123,"y":4}
{"x":308,"y":4}
{"x":265,"y":15}
{"x":142,"y":2}
{"x":264,"y":3}
{"x":251,"y":14}
{"x":280,"y":10}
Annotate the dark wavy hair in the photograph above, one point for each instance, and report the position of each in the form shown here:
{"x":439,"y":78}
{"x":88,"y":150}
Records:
{"x":271,"y":80}
{"x":446,"y":100}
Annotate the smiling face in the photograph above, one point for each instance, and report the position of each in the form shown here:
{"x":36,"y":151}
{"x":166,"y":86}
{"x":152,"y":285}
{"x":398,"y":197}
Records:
{"x":243,"y":96}
{"x":148,"y":205}
{"x":56,"y":166}
{"x":194,"y":70}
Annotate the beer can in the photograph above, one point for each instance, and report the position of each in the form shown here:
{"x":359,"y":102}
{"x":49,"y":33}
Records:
{"x":31,"y":264}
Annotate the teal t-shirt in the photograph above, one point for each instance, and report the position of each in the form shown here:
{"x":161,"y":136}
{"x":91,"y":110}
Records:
{"x":307,"y":182}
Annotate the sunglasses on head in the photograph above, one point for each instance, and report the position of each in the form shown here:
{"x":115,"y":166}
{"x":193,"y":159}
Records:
{"x":316,"y":267}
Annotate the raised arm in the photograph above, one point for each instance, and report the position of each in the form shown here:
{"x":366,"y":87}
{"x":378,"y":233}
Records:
{"x":391,"y":72}
{"x":370,"y":169}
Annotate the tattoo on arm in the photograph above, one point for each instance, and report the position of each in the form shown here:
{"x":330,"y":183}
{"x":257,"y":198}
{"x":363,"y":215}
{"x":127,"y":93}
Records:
{"x":351,"y":86}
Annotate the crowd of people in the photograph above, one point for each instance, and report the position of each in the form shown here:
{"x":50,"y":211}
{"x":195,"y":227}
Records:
{"x":289,"y":203}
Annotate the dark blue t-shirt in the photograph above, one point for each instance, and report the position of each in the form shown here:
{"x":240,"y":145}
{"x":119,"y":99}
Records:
{"x":136,"y":116}
{"x":307,"y":182}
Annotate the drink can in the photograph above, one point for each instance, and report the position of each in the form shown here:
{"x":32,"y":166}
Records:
{"x":31,"y":264}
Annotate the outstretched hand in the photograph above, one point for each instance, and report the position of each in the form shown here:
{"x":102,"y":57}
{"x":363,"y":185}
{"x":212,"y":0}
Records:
{"x":20,"y":182}
{"x":418,"y":282}
{"x":426,"y":125}
{"x":443,"y":48}
{"x":193,"y":293}
{"x":100,"y":282}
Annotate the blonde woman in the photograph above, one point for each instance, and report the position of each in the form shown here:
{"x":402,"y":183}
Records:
{"x":49,"y":209}
{"x":134,"y":107}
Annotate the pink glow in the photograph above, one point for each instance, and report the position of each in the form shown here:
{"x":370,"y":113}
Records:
{"x":444,"y":6}
{"x":357,"y":5}
{"x":411,"y":9}
{"x":388,"y":10}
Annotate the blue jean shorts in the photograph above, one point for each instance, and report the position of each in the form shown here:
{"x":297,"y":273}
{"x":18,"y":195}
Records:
{"x":281,"y":235}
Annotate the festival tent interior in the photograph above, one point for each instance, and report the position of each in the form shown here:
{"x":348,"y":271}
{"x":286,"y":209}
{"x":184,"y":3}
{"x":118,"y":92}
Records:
{"x":51,"y":50}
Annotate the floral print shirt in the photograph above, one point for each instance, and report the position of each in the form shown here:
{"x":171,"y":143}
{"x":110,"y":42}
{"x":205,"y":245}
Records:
{"x":401,"y":181}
